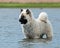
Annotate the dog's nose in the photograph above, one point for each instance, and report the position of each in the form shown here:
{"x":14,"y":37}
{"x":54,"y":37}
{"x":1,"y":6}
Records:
{"x":19,"y":20}
{"x":22,"y":17}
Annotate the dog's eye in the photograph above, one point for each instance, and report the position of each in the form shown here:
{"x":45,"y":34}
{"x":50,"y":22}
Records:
{"x":27,"y":11}
{"x":22,"y":16}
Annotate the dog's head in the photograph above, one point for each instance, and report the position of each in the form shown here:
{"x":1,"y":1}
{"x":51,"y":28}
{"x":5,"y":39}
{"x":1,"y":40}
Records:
{"x":25,"y":16}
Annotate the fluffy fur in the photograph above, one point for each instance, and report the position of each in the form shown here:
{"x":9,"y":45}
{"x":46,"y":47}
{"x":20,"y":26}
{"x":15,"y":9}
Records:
{"x":35,"y":28}
{"x":45,"y":25}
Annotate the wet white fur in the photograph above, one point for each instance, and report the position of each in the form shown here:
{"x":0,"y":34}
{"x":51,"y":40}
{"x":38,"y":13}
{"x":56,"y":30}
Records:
{"x":35,"y":27}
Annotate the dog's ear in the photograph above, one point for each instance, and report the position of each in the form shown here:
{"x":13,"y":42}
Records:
{"x":21,"y":10}
{"x":28,"y":11}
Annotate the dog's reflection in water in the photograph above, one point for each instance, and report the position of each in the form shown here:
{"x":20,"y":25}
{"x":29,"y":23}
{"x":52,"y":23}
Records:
{"x":32,"y":43}
{"x":26,"y":40}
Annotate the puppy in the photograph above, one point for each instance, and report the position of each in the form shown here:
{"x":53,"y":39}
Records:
{"x":35,"y":28}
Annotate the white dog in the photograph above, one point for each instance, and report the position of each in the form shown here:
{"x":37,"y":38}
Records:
{"x":34,"y":28}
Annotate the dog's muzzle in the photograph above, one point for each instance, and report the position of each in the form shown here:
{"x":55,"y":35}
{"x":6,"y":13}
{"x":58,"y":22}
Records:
{"x":23,"y":20}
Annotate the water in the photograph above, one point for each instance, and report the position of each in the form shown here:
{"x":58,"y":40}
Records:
{"x":11,"y":35}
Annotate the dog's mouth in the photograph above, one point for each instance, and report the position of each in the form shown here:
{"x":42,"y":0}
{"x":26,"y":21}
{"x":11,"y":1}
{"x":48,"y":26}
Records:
{"x":23,"y":21}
